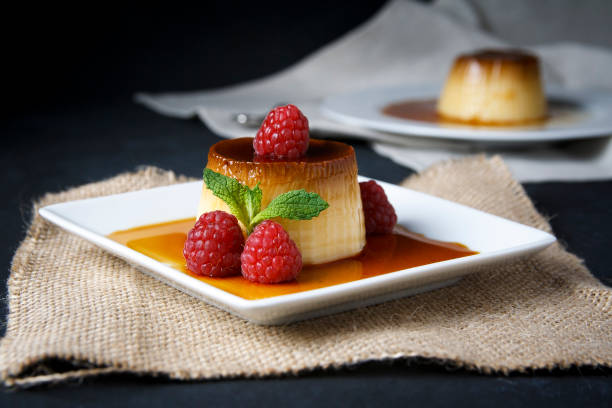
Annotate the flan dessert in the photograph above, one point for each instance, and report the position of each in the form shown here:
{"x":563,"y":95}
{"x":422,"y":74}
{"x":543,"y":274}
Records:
{"x":494,"y":87}
{"x":329,"y":169}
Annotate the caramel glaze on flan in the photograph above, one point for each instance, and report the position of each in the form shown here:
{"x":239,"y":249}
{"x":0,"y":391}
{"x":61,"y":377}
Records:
{"x":494,"y":87}
{"x":328,"y":169}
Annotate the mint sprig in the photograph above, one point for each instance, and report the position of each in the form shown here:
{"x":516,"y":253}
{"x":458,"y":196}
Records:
{"x":245,"y":203}
{"x":294,"y":205}
{"x":230,"y":191}
{"x":252,"y":200}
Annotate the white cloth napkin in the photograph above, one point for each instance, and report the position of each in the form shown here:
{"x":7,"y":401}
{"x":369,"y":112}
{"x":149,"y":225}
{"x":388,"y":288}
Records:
{"x":407,"y":43}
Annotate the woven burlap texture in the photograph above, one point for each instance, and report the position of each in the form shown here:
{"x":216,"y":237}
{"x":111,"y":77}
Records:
{"x":71,"y":300}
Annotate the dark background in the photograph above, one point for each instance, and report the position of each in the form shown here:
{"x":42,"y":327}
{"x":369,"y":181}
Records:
{"x":68,"y":118}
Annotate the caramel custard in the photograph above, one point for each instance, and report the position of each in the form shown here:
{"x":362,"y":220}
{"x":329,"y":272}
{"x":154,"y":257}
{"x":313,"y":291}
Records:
{"x":382,"y":254}
{"x":497,"y":87}
{"x":328,"y":169}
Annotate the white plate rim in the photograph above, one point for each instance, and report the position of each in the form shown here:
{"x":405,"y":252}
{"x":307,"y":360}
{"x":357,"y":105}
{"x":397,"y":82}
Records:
{"x":362,"y":109}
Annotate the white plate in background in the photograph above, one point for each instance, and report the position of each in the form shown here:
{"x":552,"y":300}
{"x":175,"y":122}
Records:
{"x":496,"y":239}
{"x":586,"y":114}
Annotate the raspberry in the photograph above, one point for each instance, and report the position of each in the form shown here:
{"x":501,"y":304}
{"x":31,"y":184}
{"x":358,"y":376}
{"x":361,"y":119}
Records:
{"x":269,"y":255}
{"x":379,"y":214}
{"x":214,"y":245}
{"x":283,"y":134}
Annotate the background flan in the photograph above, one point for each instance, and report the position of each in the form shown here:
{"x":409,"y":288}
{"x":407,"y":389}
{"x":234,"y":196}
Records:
{"x":497,"y":87}
{"x":328,"y":169}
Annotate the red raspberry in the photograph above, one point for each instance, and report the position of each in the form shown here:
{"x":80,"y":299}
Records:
{"x":283,"y":134}
{"x":214,"y":245}
{"x":379,"y":214}
{"x":269,"y":255}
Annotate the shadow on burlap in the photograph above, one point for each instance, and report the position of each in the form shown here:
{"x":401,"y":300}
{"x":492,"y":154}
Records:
{"x":71,"y":301}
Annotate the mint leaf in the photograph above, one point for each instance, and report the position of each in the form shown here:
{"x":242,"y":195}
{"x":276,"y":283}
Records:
{"x":252,"y":200}
{"x":231,"y":192}
{"x":294,"y":205}
{"x":245,"y":203}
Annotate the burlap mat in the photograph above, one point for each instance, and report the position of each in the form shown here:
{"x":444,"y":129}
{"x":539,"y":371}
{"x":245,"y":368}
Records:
{"x":71,"y":301}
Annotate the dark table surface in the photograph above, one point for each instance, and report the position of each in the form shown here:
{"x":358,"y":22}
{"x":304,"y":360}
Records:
{"x":71,"y":121}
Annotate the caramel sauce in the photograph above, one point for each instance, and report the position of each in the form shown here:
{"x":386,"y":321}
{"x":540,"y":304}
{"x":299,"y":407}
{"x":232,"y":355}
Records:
{"x":426,"y":111}
{"x":499,"y":55}
{"x":382,"y":254}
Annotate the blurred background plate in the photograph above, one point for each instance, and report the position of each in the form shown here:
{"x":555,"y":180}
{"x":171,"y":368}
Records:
{"x":574,"y":114}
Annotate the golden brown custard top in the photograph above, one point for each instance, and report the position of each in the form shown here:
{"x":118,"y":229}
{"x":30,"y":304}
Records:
{"x":236,"y":158}
{"x":510,"y":56}
{"x":241,"y":150}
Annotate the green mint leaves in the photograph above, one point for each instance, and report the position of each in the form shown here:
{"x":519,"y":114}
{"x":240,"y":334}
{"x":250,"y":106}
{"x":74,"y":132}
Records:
{"x":245,"y":203}
{"x":230,"y":191}
{"x":295,"y":205}
{"x":252,"y":200}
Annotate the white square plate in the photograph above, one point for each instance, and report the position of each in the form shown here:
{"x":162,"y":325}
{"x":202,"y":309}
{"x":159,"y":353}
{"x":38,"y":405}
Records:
{"x":494,"y":238}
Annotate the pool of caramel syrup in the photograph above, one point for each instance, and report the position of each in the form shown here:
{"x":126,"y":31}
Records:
{"x":382,"y":254}
{"x":425,"y":111}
